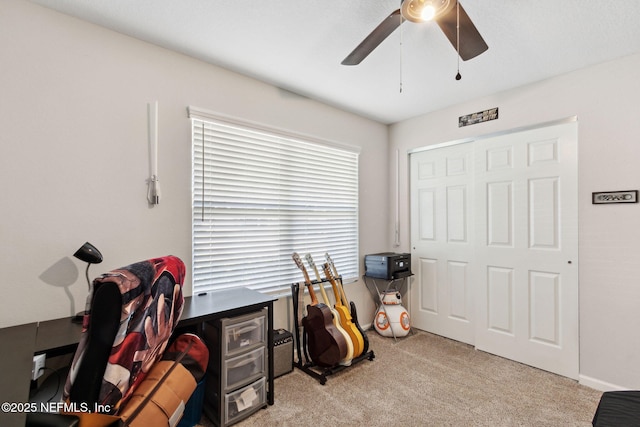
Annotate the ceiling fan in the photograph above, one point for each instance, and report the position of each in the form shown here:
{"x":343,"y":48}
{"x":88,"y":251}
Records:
{"x":453,"y":21}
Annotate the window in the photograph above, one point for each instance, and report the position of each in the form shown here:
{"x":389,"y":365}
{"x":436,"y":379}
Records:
{"x":259,"y":195}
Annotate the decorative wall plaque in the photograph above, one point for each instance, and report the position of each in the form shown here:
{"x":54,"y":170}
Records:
{"x":615,"y":197}
{"x":479,"y":117}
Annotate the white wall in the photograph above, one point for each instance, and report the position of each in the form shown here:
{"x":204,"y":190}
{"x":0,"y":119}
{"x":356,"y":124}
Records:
{"x":605,"y":100}
{"x":74,"y":155}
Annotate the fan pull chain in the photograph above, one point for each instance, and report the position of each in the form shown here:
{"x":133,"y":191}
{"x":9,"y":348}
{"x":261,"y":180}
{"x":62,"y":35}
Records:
{"x":458,"y":76}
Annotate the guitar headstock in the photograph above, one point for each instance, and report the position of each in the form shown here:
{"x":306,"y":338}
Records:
{"x":331,"y":264}
{"x":312,"y":265}
{"x":298,"y":261}
{"x":327,"y":271}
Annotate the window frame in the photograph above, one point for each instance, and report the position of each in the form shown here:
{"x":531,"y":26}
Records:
{"x":347,"y":261}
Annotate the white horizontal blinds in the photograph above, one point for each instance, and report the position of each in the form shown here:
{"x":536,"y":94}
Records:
{"x":260,"y":196}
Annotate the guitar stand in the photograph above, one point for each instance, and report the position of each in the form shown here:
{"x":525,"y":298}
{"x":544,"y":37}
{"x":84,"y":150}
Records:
{"x":308,"y":367}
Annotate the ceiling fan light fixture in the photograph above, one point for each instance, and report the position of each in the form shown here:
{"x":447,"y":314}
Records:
{"x":428,"y":12}
{"x":425,"y":10}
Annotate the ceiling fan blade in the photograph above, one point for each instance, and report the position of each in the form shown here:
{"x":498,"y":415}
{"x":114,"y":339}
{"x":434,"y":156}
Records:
{"x":377,"y":36}
{"x":471,"y":42}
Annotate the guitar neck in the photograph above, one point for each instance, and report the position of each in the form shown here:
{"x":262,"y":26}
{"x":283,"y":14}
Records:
{"x":307,"y":281}
{"x":324,"y":293}
{"x":325,"y":298}
{"x":312,"y":294}
{"x":334,"y":285}
{"x":343,"y":295}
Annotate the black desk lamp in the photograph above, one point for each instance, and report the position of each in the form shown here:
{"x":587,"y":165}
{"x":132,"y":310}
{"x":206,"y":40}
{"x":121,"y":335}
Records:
{"x":89,"y":254}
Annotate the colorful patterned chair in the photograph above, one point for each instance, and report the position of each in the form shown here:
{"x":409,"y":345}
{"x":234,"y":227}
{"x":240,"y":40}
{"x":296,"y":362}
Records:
{"x":134,"y":310}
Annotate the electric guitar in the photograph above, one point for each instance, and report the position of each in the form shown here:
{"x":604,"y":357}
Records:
{"x":327,"y":347}
{"x":334,"y":312}
{"x":354,"y":312}
{"x":345,"y":316}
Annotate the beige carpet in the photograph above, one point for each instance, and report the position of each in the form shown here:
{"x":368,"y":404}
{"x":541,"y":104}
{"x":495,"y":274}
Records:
{"x":427,"y":380}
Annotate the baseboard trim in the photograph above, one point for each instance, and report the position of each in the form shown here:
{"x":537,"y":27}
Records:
{"x":599,"y":384}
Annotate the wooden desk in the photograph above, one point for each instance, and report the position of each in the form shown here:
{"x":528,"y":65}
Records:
{"x":61,"y":336}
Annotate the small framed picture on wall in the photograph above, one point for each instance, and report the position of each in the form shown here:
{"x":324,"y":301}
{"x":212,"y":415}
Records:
{"x":604,"y":197}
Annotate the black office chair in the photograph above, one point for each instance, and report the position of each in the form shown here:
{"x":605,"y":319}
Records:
{"x":618,"y":409}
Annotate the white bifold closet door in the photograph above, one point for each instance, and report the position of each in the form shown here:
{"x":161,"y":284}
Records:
{"x":495,"y":245}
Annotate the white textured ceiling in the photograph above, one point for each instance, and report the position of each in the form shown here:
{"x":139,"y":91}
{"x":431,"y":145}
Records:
{"x":298,"y":45}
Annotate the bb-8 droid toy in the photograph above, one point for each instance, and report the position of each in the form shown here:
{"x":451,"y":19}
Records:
{"x":392,"y":319}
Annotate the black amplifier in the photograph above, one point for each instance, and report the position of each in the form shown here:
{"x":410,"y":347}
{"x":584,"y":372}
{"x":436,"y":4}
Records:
{"x":387,"y":265}
{"x":282,"y":352}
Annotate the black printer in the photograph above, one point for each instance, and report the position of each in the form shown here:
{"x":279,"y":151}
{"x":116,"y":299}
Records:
{"x":387,"y":265}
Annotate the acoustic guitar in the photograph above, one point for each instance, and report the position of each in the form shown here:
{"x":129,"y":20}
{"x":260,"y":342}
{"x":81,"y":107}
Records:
{"x":354,"y":312}
{"x":336,"y":317}
{"x":345,"y":315}
{"x":327,"y":347}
